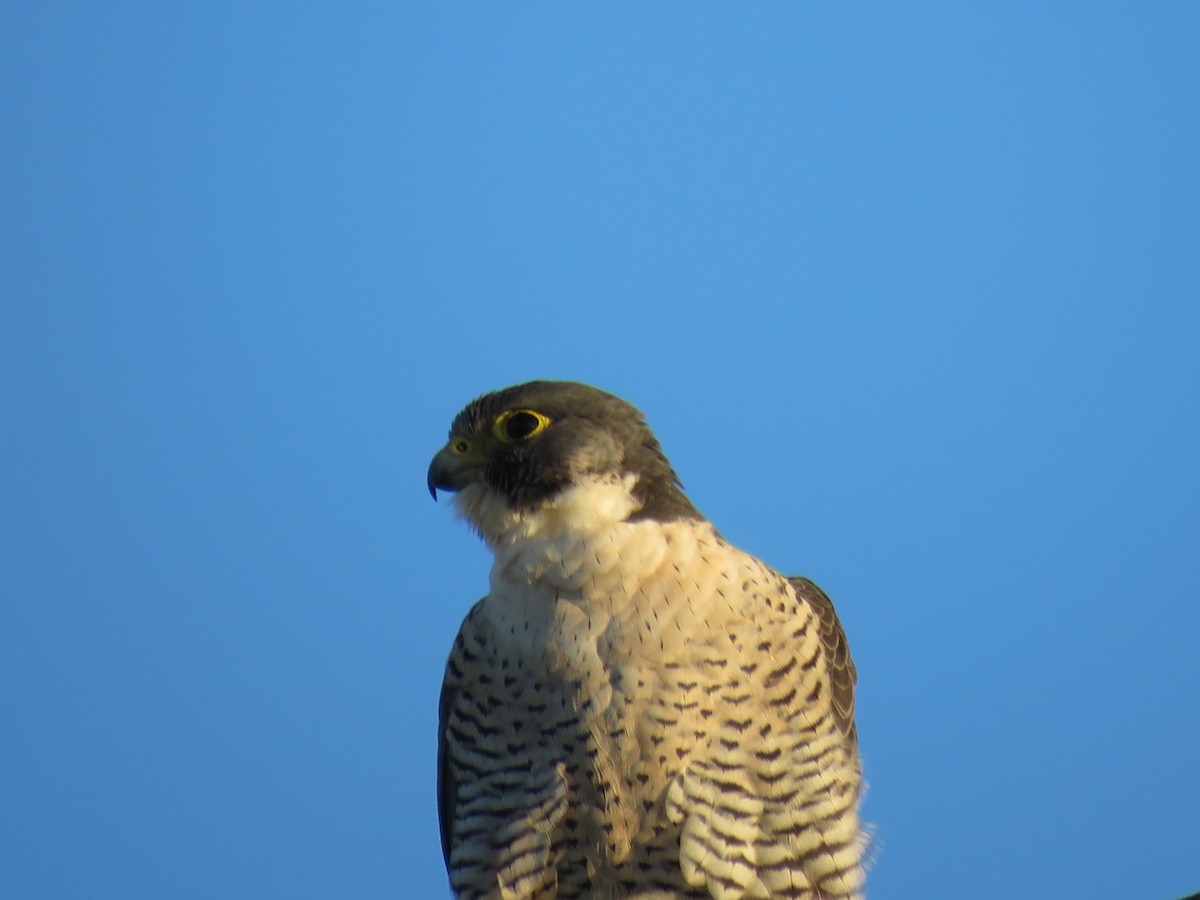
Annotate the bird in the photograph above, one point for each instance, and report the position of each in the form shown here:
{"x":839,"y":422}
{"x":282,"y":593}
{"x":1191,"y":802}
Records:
{"x":636,"y":708}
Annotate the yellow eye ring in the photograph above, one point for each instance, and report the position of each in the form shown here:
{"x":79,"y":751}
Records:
{"x":515,"y":425}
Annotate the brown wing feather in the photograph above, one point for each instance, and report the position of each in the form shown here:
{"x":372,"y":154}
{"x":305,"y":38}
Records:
{"x":842,"y":674}
{"x":447,"y":787}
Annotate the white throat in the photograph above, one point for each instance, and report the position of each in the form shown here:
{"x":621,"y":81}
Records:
{"x":559,"y":544}
{"x":580,"y":510}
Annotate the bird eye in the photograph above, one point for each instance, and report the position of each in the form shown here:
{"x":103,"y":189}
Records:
{"x":515,"y":425}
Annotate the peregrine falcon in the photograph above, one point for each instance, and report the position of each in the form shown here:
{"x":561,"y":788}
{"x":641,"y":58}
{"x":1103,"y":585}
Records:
{"x":636,"y":708}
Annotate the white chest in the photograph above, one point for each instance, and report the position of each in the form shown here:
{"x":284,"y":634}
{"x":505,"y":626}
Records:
{"x":625,"y":594}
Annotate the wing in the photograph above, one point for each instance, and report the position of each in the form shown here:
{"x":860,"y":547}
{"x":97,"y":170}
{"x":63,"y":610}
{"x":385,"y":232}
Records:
{"x":447,"y":790}
{"x":842,"y":674}
{"x":499,"y":800}
{"x":768,"y":807}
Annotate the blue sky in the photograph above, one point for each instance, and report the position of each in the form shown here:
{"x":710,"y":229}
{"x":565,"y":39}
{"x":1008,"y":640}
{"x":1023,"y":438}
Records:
{"x":911,"y":295}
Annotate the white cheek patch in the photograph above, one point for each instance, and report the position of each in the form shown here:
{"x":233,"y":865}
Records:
{"x":593,"y":504}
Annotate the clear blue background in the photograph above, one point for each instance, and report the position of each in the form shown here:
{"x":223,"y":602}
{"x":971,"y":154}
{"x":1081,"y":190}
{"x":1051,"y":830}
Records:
{"x":910,"y":293}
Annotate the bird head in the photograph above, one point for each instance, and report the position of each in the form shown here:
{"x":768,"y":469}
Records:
{"x":522,"y":449}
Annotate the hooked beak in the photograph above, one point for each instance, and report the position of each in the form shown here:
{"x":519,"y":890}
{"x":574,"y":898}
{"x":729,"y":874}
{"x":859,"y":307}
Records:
{"x":455,"y":466}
